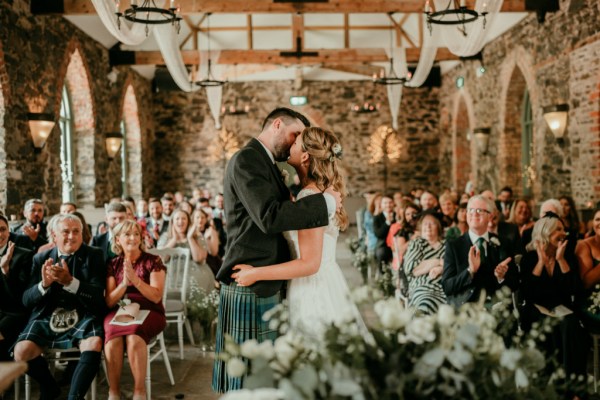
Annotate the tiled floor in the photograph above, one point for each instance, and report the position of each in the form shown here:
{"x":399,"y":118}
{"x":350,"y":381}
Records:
{"x":192,"y":375}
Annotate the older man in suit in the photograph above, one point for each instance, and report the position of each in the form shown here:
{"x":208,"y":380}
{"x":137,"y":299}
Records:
{"x":15,"y":266}
{"x":477,"y":262}
{"x":66,"y":301}
{"x":258,"y":209}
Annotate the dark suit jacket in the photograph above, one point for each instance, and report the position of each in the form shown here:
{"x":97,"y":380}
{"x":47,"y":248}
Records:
{"x":258,"y":210}
{"x":23,"y":240}
{"x":103,"y":243}
{"x":509,"y":234}
{"x":12,"y":287}
{"x":87,"y":265}
{"x":381,"y":229}
{"x":456,"y":280}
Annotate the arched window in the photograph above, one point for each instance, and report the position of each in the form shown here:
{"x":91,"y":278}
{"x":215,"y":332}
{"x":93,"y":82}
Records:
{"x":66,"y":147}
{"x":527,"y":145}
{"x":124,"y":166}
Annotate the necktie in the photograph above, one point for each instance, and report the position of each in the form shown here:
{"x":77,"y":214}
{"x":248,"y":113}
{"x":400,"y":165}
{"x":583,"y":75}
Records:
{"x":66,"y":257}
{"x":481,"y":246}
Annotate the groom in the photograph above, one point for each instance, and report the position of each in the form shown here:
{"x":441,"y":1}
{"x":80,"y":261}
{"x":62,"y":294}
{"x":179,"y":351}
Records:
{"x":258,"y":209}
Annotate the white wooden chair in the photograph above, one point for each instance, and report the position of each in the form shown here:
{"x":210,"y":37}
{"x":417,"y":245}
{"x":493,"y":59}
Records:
{"x":177,"y":261}
{"x":152,"y":355}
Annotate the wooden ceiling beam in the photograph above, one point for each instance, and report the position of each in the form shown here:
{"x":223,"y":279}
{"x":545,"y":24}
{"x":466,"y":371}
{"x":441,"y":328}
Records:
{"x":74,"y":7}
{"x":330,"y":56}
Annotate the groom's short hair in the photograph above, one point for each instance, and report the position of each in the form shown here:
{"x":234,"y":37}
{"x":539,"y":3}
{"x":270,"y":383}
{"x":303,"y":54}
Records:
{"x":287,"y":115}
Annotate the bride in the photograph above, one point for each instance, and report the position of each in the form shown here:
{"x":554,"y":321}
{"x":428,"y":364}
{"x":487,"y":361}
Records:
{"x":318,"y":294}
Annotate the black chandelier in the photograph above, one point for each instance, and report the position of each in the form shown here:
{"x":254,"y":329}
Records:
{"x":149,"y":13}
{"x":210,"y":80}
{"x":392,"y":78}
{"x":455,"y":13}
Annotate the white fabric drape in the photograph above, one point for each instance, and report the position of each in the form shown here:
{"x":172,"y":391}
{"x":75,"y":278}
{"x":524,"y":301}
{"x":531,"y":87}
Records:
{"x":214,"y":94}
{"x":394,"y":92}
{"x":165,"y":36}
{"x":426,"y":58}
{"x":468,"y":40}
{"x":132,"y":36}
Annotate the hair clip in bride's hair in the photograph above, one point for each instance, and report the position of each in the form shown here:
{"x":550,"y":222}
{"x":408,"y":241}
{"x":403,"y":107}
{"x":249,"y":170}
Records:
{"x":336,"y":150}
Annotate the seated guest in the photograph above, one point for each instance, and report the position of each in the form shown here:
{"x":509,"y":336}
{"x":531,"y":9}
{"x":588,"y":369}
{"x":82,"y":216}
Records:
{"x":130,"y":209}
{"x":503,"y":202}
{"x":448,"y":207}
{"x":142,"y":210}
{"x":32,"y":233}
{"x":15,"y":264}
{"x":428,"y":201}
{"x":475,"y":262}
{"x":588,"y":255}
{"x":423,"y":265}
{"x":201,"y":225}
{"x":66,"y":303}
{"x":381,"y":227}
{"x":406,"y":231}
{"x":115,"y":214}
{"x":182,"y":235}
{"x":140,"y":277}
{"x":571,"y":218}
{"x":186,"y":206}
{"x":549,"y":280}
{"x":168,"y":206}
{"x":460,"y":226}
{"x":156,"y":225}
{"x":68,"y":208}
{"x":521,"y":215}
{"x":373,"y":209}
{"x":507,"y":233}
{"x":86,"y":234}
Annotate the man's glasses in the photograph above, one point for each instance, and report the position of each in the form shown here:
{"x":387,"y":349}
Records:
{"x":478,"y":211}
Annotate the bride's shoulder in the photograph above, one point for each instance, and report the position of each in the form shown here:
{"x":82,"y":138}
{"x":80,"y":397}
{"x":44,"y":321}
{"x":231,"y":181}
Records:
{"x":307,"y":191}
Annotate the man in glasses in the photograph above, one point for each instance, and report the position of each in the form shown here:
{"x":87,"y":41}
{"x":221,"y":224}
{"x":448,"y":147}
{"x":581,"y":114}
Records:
{"x":477,"y":262}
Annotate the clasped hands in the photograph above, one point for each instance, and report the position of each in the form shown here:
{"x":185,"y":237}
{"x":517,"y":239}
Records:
{"x":5,"y":260}
{"x":129,"y":275}
{"x":244,"y":276}
{"x":55,"y":272}
{"x":475,"y":262}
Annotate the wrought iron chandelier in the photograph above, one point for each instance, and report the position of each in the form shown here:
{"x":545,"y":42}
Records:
{"x":392,"y":78}
{"x":455,"y":13}
{"x":210,"y":80}
{"x":149,"y":13}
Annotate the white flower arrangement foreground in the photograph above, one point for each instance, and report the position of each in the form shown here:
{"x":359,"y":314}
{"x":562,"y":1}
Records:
{"x":454,"y":354}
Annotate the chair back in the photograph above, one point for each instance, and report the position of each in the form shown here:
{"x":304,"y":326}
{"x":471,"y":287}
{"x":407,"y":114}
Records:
{"x":177,"y":261}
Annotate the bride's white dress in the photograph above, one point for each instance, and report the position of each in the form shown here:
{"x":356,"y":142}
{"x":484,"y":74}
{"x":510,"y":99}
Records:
{"x":318,"y":300}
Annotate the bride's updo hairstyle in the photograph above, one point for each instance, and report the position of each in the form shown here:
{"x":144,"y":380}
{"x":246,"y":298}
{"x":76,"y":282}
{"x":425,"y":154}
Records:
{"x":325,"y":152}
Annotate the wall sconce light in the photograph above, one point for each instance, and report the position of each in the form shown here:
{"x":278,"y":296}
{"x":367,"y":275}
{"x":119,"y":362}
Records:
{"x":556,"y":118}
{"x":113,"y":141}
{"x":482,"y":137}
{"x":40,"y":125}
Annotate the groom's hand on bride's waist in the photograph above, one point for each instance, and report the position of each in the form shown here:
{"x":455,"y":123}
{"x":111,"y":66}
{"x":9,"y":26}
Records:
{"x":244,"y":275}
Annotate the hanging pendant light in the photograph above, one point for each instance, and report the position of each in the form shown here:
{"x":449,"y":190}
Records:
{"x":455,"y":13}
{"x":149,"y":13}
{"x":210,"y":80}
{"x":392,"y":78}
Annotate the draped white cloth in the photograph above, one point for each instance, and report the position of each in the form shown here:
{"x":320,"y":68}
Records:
{"x":394,"y":92}
{"x":426,"y":58}
{"x":468,"y":40}
{"x":214,"y":94}
{"x":166,"y":38}
{"x":132,"y":36}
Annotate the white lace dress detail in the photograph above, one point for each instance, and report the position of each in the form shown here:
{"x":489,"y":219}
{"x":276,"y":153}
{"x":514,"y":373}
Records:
{"x":318,"y":300}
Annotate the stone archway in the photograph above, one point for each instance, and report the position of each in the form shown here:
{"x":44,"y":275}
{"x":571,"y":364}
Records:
{"x":78,"y":86}
{"x":133,"y":143}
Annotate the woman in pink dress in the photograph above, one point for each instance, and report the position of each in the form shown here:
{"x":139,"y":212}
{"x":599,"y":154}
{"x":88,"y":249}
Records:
{"x":140,"y":277}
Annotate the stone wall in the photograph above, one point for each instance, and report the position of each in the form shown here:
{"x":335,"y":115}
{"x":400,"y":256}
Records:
{"x":557,"y":62}
{"x":185,"y":131}
{"x":35,"y":59}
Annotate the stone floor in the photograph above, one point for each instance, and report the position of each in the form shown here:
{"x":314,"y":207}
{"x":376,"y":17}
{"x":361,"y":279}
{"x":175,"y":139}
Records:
{"x":193,"y":374}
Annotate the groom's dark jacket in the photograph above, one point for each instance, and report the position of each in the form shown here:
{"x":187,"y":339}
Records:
{"x":258,"y":209}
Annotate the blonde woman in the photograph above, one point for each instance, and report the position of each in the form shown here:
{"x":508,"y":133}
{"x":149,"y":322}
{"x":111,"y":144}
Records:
{"x":183,"y":235}
{"x":140,"y":277}
{"x":318,"y":294}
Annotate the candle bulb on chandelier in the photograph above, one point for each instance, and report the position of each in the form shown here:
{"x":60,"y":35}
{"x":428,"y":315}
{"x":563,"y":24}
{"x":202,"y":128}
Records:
{"x":427,"y":7}
{"x":382,"y":74}
{"x":133,"y":3}
{"x":463,"y":3}
{"x":117,"y":5}
{"x":246,"y":108}
{"x":172,"y":4}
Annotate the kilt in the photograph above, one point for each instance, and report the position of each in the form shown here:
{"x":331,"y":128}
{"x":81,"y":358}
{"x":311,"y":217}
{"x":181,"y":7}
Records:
{"x":240,"y":316}
{"x":39,"y":332}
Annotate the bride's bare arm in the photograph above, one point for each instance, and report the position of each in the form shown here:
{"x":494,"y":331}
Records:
{"x":310,"y":242}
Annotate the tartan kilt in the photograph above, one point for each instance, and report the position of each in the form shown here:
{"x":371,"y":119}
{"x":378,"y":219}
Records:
{"x":240,"y":316}
{"x":38,"y":331}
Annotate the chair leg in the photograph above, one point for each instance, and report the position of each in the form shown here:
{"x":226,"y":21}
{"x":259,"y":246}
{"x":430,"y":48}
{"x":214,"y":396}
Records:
{"x":148,"y":378}
{"x":17,"y":386}
{"x":163,"y":350}
{"x":27,"y":388}
{"x":188,"y":328}
{"x":180,"y":335}
{"x":595,"y":339}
